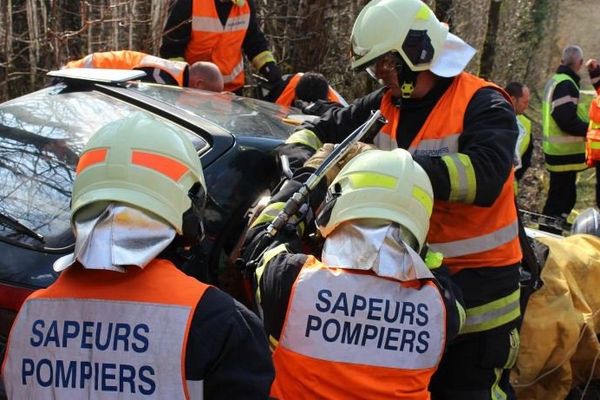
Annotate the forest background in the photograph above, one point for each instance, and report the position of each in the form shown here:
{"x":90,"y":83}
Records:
{"x":516,"y":40}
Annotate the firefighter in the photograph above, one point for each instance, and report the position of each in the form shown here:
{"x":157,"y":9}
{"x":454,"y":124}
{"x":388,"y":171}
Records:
{"x":519,"y":96}
{"x":199,"y":75}
{"x":219,"y":31}
{"x":370,"y":320}
{"x":462,"y":130}
{"x":308,"y":91}
{"x":593,"y":133}
{"x":122,"y":320}
{"x":564,"y":131}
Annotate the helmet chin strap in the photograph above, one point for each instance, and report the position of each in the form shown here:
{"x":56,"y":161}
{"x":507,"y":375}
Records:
{"x":407,"y":78}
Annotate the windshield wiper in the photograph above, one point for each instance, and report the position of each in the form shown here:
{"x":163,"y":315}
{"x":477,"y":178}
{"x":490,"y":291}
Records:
{"x":19,"y":227}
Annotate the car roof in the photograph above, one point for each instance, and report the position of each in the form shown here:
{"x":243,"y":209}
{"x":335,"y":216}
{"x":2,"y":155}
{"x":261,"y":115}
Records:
{"x":104,"y":75}
{"x":216,"y":112}
{"x":44,"y":132}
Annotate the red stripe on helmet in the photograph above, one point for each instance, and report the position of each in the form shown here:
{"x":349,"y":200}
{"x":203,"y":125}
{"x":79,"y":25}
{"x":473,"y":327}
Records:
{"x":90,"y":158}
{"x":162,"y":164}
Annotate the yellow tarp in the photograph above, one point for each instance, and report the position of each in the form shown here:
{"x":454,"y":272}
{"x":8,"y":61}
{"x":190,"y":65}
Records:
{"x":559,"y":346}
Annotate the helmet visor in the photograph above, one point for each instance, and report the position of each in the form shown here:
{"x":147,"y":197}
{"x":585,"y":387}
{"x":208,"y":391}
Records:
{"x":383,"y":64}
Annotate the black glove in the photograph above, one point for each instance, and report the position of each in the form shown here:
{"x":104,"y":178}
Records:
{"x":296,"y":153}
{"x":272,"y":72}
{"x":289,"y":187}
{"x":317,"y":108}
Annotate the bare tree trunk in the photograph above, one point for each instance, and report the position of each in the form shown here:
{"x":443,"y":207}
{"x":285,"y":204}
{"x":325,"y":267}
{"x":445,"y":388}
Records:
{"x":489,"y":45}
{"x":8,"y":38}
{"x":115,"y":28}
{"x":33,"y":45}
{"x":158,"y":16}
{"x":309,"y":50}
{"x":38,"y":35}
{"x":442,"y":10}
{"x":90,"y":27}
{"x":131,"y":9}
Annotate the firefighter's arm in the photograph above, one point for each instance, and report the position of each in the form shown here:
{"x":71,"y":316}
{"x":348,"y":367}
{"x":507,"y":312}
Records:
{"x":278,"y":260}
{"x":291,"y":235}
{"x":227,"y":350}
{"x":293,"y":207}
{"x":332,"y":127}
{"x":335,"y":124}
{"x":177,"y":31}
{"x":299,"y":147}
{"x":275,"y":283}
{"x":477,"y":172}
{"x":564,"y":109}
{"x":451,"y":293}
{"x":256,"y":48}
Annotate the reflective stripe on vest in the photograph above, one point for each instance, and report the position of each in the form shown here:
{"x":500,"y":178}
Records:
{"x":288,"y":95}
{"x":477,"y":244}
{"x":128,"y":59}
{"x":103,"y":334}
{"x":463,"y":184}
{"x":493,"y":314}
{"x":557,"y":143}
{"x":305,"y":137}
{"x":174,"y":68}
{"x":221,"y":44}
{"x":592,"y":146}
{"x":487,"y":233}
{"x":349,"y":333}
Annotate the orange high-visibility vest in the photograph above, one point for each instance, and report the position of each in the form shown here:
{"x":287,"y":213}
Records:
{"x":469,"y":236}
{"x":222,"y":45}
{"x":351,"y":334}
{"x":129,"y":59}
{"x":592,"y":143}
{"x":288,"y":95}
{"x":103,"y":333}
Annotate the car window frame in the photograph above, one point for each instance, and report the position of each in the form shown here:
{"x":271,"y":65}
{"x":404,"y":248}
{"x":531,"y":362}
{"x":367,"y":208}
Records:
{"x":218,"y":140}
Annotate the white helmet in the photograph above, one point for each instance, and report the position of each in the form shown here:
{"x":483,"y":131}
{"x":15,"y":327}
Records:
{"x":408,"y":27}
{"x":379,"y":184}
{"x":141,"y":161}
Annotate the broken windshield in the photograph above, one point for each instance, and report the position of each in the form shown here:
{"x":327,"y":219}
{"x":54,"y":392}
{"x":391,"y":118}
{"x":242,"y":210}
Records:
{"x":41,"y":137}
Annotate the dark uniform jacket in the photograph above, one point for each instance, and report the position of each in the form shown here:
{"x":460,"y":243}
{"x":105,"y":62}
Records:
{"x":565,"y":114}
{"x":488,"y":138}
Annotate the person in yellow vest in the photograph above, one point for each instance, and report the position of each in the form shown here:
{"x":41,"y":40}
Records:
{"x":519,"y":96}
{"x":222,"y":32}
{"x":564,"y":133}
{"x":371,"y":318}
{"x":199,"y":75}
{"x":462,"y":130}
{"x":309,"y":91}
{"x":121,"y":320}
